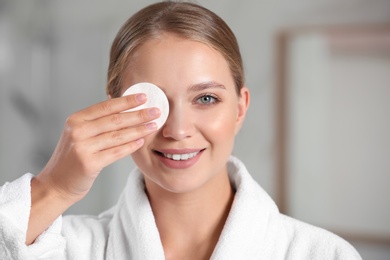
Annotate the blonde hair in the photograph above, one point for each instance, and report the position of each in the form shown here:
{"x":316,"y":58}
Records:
{"x":185,"y":19}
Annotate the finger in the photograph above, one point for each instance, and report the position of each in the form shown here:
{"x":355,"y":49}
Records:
{"x":111,"y":106}
{"x":119,"y":121}
{"x":120,"y":137}
{"x":109,"y":156}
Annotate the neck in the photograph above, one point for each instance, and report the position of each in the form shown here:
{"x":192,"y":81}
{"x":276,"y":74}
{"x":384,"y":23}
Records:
{"x":192,"y":221}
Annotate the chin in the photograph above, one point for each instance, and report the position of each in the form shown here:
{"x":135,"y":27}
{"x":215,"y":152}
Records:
{"x":178,"y":183}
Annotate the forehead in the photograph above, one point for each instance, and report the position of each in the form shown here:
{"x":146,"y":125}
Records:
{"x":173,"y":59}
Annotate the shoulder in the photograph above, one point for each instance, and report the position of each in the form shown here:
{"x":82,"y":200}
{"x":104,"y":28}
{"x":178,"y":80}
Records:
{"x":280,"y":236}
{"x":305,"y":241}
{"x":283,"y":237}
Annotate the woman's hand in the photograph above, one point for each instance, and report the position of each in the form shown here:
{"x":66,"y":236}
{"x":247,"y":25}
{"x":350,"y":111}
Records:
{"x":92,"y":139}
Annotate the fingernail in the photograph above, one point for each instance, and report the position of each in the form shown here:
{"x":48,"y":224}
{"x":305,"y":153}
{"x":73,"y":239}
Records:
{"x":139,"y":141}
{"x":154,"y":111}
{"x":140,"y":97}
{"x":151,"y":126}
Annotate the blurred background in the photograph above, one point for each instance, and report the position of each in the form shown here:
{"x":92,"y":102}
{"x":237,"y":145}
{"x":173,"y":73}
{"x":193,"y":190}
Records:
{"x":316,"y":137}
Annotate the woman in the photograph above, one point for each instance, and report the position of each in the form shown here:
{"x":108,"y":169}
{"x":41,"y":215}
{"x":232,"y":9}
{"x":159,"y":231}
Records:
{"x":204,"y":205}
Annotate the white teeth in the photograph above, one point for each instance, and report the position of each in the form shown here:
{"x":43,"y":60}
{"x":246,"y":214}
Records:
{"x":181,"y":157}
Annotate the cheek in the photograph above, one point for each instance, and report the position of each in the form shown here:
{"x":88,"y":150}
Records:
{"x":218,"y":126}
{"x":142,"y":157}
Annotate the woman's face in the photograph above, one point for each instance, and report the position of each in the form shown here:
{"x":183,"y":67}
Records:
{"x":197,"y":139}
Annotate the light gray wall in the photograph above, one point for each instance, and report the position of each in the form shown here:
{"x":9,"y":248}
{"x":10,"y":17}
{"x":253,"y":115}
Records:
{"x":55,"y":54}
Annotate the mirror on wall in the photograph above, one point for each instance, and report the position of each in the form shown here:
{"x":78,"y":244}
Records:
{"x":333,"y":129}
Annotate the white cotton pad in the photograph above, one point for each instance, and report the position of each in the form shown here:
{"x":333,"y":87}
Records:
{"x":155,"y":98}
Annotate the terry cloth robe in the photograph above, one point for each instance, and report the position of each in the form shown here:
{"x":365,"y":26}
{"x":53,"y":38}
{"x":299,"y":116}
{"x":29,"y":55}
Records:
{"x":254,"y":228}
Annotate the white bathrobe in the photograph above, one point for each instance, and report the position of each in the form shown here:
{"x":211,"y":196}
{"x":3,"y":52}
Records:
{"x":254,"y":229}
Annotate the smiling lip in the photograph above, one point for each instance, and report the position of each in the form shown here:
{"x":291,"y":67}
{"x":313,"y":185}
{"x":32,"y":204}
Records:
{"x":179,"y":158}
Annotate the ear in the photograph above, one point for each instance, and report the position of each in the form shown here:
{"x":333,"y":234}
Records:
{"x":243,"y":105}
{"x":109,"y":96}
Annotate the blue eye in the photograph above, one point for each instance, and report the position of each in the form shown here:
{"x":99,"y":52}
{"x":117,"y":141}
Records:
{"x":207,"y":99}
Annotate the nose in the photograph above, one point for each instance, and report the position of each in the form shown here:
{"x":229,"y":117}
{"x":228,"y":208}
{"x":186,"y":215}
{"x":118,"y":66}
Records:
{"x":179,"y":124}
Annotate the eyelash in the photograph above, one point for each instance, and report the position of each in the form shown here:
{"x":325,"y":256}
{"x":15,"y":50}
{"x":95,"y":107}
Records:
{"x":214,"y":100}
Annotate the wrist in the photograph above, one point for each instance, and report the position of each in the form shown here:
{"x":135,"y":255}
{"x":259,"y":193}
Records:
{"x":42,"y":192}
{"x":46,"y":206}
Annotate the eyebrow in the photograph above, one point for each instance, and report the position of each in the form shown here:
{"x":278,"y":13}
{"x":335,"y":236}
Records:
{"x":205,"y":85}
